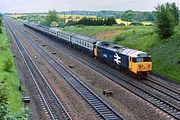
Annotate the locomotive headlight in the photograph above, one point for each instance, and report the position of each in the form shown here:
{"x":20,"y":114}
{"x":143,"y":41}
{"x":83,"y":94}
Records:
{"x":139,"y":65}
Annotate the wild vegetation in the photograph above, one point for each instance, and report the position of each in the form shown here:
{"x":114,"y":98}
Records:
{"x":11,"y":106}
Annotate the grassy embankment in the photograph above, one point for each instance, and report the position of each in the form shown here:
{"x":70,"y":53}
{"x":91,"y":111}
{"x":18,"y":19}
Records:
{"x":9,"y":79}
{"x":165,"y":53}
{"x":98,"y":32}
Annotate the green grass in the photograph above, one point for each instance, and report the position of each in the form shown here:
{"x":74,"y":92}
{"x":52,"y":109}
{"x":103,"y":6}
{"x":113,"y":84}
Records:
{"x":141,"y":38}
{"x":10,"y":79}
{"x":165,"y":53}
{"x":91,"y":30}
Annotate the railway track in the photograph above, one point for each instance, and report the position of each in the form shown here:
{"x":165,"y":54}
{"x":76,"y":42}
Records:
{"x":173,"y":94}
{"x":154,"y":99}
{"x":103,"y":110}
{"x":47,"y":98}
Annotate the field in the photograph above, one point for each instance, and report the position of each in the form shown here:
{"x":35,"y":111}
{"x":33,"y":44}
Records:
{"x":165,"y":53}
{"x":78,"y":17}
{"x":9,"y":79}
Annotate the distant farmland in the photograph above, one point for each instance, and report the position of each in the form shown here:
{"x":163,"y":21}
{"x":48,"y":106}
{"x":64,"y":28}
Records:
{"x":77,"y":18}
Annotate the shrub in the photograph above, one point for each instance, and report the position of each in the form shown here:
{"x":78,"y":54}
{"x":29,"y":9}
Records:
{"x":8,"y":65}
{"x":136,"y":23}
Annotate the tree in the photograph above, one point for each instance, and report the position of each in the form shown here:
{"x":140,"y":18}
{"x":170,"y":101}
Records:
{"x":129,"y":15}
{"x":175,"y":12}
{"x":52,"y":17}
{"x":148,"y":16}
{"x":165,"y":20}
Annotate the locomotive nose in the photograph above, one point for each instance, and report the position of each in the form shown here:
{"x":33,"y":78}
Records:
{"x":144,"y":66}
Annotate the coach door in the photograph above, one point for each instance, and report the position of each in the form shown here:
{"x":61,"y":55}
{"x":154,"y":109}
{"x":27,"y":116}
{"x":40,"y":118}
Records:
{"x":95,"y":50}
{"x":130,"y":62}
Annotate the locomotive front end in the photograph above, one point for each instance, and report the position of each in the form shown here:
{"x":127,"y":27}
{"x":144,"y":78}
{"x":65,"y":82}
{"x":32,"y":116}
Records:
{"x":140,"y":64}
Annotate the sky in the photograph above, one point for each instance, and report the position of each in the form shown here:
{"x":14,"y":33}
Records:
{"x":24,"y":6}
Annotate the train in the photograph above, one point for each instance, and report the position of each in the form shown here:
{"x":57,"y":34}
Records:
{"x":134,"y":62}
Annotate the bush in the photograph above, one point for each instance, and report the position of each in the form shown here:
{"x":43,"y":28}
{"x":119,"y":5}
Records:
{"x":136,"y":23}
{"x":8,"y":65}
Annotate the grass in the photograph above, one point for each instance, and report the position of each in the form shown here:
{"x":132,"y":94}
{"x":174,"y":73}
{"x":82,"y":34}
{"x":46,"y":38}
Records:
{"x":10,"y":79}
{"x":91,"y":30}
{"x":140,"y":37}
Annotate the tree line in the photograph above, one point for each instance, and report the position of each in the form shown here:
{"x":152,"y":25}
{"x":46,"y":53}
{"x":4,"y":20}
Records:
{"x":137,"y":15}
{"x":132,"y":16}
{"x":96,"y":21}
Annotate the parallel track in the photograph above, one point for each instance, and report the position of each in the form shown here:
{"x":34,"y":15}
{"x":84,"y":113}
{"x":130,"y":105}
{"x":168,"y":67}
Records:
{"x":102,"y":109}
{"x":55,"y":109}
{"x":155,"y":100}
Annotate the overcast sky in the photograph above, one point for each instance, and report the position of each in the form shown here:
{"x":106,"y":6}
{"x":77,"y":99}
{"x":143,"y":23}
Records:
{"x":67,"y":5}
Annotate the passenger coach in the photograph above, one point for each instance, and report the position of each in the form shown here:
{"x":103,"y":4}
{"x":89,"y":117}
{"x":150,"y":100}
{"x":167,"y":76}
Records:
{"x":84,"y":44}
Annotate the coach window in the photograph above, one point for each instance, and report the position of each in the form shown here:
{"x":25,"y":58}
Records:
{"x":88,"y":45}
{"x":85,"y":44}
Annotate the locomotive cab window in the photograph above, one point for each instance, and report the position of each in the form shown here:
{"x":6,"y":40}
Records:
{"x":142,"y":59}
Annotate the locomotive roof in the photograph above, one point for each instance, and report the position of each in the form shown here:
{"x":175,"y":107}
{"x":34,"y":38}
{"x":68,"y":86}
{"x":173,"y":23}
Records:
{"x":123,"y":50}
{"x":84,"y":38}
{"x":134,"y":53}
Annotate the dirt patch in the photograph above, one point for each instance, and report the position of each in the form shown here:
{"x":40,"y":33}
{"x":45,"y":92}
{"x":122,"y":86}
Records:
{"x":105,"y":36}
